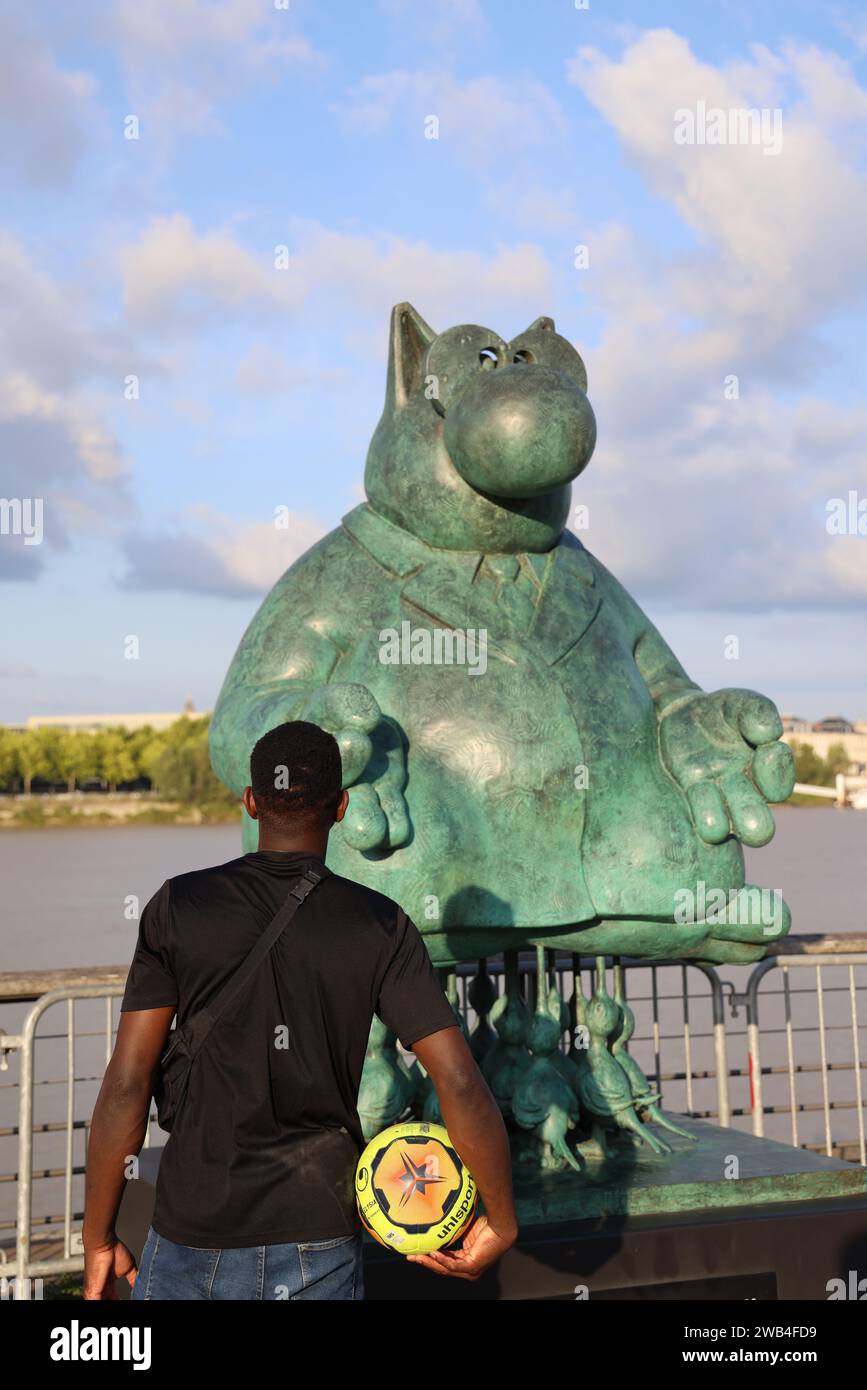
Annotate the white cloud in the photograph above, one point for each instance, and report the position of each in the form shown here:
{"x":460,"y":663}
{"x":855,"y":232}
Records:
{"x":216,"y":554}
{"x":54,"y":439}
{"x":484,"y":120}
{"x":51,"y":330}
{"x":184,"y":58}
{"x":178,"y":279}
{"x":527,"y":202}
{"x":93,"y":448}
{"x":263,"y":371}
{"x":441,"y":24}
{"x":371,"y":273}
{"x":846,"y":560}
{"x":726,"y":509}
{"x":830,"y":89}
{"x":778,"y":251}
{"x":44,"y":110}
{"x":823,"y":432}
{"x":780,"y":238}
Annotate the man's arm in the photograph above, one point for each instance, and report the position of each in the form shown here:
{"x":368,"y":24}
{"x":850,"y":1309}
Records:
{"x":117,"y":1133}
{"x":475,"y":1125}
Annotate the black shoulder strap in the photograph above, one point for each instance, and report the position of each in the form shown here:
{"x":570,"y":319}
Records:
{"x":201,"y":1025}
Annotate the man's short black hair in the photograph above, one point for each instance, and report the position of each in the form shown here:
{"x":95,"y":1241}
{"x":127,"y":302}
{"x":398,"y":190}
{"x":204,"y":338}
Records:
{"x":295,"y":773}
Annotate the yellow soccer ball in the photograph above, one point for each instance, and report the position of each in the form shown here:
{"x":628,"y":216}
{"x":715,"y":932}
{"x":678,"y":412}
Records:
{"x":413,"y":1192}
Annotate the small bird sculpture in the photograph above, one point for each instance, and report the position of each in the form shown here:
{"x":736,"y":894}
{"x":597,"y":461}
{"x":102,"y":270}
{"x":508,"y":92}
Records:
{"x":544,"y":1101}
{"x":508,"y":1056}
{"x":647,"y":1101}
{"x":603,"y":1086}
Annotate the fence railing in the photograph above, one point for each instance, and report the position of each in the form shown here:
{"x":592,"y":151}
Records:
{"x":779,"y":1048}
{"x":836,"y":983}
{"x":45,"y":1113}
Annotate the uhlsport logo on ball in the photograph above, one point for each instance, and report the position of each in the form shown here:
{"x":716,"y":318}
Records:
{"x":412,"y":1189}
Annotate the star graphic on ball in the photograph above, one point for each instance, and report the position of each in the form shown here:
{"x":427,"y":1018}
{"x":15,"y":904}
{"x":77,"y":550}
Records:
{"x":414,"y":1178}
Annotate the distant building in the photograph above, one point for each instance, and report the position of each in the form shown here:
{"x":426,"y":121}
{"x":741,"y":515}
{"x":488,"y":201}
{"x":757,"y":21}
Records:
{"x":93,"y":723}
{"x":835,"y":724}
{"x":794,"y":724}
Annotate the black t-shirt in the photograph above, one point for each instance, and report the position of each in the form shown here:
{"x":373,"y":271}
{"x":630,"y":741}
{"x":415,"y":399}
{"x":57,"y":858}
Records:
{"x":264,"y":1148}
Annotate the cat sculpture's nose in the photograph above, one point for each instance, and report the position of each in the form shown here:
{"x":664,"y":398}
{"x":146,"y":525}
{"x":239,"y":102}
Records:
{"x":520,"y":431}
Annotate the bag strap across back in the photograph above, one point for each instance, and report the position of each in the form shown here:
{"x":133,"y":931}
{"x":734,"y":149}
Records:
{"x":201,"y":1024}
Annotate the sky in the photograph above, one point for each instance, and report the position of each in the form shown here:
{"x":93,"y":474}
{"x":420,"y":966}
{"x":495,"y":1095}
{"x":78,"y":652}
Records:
{"x":210,"y":207}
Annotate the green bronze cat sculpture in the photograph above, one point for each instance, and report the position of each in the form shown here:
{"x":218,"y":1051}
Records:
{"x":527,"y":760}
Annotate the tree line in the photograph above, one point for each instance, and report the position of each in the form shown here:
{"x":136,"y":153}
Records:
{"x":815,"y":770}
{"x":174,"y":762}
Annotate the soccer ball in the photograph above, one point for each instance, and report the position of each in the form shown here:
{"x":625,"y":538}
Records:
{"x":413,"y":1191}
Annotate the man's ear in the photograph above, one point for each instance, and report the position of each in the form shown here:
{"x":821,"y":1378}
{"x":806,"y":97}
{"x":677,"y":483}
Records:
{"x":410,"y":338}
{"x":341,"y":806}
{"x":250,"y":803}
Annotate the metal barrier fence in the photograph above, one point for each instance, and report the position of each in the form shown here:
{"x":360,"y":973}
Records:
{"x":683,"y":1052}
{"x":800,"y":1078}
{"x":839,"y":985}
{"x":60,"y":1133}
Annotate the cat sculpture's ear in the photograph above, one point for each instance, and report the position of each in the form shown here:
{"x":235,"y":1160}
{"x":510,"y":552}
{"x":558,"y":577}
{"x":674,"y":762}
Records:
{"x":409,"y":340}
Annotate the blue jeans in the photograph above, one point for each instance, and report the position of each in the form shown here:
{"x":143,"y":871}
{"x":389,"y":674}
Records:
{"x":314,"y":1269}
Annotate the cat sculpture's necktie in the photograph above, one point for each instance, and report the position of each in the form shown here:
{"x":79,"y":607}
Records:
{"x":514,"y":586}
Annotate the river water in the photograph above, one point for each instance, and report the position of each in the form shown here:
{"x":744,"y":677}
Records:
{"x":65,"y":892}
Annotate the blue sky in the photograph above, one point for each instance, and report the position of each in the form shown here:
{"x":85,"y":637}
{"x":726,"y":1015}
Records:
{"x":259,"y":387}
